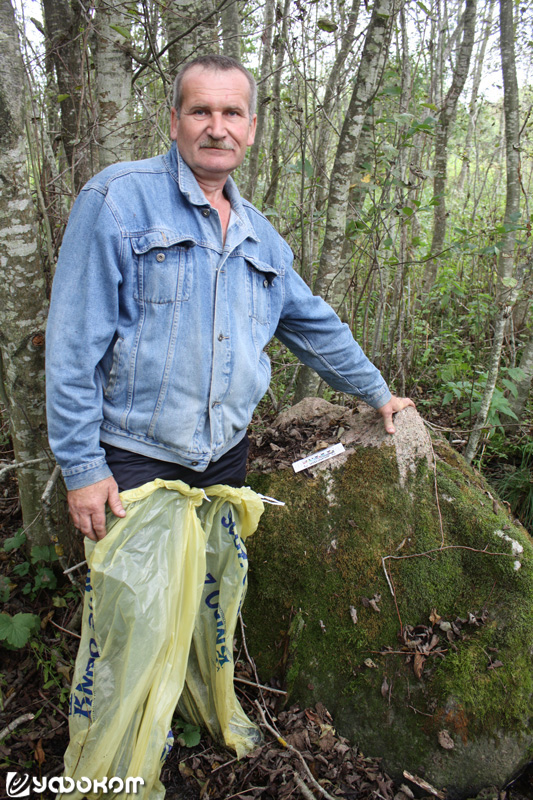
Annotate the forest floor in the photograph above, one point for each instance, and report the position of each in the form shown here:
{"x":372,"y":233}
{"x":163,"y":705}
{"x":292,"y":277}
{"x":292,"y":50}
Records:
{"x":301,"y":754}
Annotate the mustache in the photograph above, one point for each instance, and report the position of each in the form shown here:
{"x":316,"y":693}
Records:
{"x":216,"y":144}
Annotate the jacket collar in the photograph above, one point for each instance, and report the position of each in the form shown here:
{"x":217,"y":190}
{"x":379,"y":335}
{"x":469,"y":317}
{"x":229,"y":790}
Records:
{"x":189,"y":187}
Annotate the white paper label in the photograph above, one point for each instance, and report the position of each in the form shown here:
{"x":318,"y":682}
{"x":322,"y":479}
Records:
{"x":316,"y":458}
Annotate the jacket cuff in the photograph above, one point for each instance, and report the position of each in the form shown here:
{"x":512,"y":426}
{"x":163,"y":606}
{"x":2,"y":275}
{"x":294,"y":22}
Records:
{"x":380,"y":398}
{"x":86,"y":474}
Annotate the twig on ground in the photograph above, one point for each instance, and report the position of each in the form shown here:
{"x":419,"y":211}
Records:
{"x":49,"y":703}
{"x":307,"y":793}
{"x":429,"y":553}
{"x":225,"y":764}
{"x":260,"y":686}
{"x":393,"y":592}
{"x":248,"y":656}
{"x":15,"y":724}
{"x":423,"y":785}
{"x":65,"y":630}
{"x":75,"y":620}
{"x":76,"y":566}
{"x":296,"y":752}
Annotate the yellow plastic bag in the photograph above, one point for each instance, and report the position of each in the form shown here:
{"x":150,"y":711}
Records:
{"x":147,"y":581}
{"x":208,"y":698}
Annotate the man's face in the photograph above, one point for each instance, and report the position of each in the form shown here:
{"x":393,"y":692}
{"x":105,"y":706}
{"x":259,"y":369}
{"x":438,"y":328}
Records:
{"x":214,"y":129}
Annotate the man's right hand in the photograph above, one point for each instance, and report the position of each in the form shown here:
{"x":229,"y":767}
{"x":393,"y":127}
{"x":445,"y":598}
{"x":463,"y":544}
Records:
{"x":87,"y":507}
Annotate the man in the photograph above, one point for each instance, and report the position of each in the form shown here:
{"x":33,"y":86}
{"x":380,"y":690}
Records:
{"x":168,"y":288}
{"x":157,"y":311}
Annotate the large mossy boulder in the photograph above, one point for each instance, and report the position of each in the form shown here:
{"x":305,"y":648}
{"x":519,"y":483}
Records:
{"x":394,"y":588}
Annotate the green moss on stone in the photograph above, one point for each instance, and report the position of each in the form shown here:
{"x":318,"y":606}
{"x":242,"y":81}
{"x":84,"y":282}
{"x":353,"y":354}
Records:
{"x":322,"y":553}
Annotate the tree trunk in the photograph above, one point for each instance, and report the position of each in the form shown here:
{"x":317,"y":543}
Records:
{"x":331,"y":94}
{"x":23,"y":304}
{"x":206,"y":33}
{"x":262,"y":94}
{"x":329,"y":283}
{"x":63,"y":44}
{"x":366,"y":86}
{"x":231,"y":29}
{"x":508,"y":284}
{"x":275,"y":168}
{"x":398,"y":229}
{"x":113,"y":80}
{"x":518,"y":403}
{"x":446,"y":117}
{"x":177,"y":17}
{"x":473,"y":107}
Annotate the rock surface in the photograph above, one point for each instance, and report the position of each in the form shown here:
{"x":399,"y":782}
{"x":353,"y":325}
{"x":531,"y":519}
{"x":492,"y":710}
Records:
{"x":394,"y":588}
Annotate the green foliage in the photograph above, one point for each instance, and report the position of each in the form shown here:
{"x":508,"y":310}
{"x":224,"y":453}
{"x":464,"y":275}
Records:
{"x":470,"y":393}
{"x":5,"y":590}
{"x":37,"y":567}
{"x":14,"y":542}
{"x":123,"y":31}
{"x":16,"y":631}
{"x":55,"y":668}
{"x":189,"y":735}
{"x":517,"y":488}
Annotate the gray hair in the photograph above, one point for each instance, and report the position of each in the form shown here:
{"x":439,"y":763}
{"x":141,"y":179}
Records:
{"x":218,"y":64}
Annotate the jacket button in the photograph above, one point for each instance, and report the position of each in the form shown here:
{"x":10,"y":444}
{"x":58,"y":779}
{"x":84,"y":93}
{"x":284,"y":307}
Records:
{"x":160,"y":257}
{"x":194,"y":463}
{"x":265,"y":283}
{"x":206,"y":212}
{"x":220,"y":337}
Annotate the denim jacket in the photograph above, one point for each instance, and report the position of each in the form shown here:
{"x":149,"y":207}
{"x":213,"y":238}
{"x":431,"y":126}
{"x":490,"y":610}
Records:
{"x":156,"y":332}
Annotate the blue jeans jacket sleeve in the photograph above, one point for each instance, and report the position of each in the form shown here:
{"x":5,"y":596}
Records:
{"x":314,"y":333}
{"x":81,"y":323}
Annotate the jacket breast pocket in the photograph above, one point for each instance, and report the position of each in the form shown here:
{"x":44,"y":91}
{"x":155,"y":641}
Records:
{"x":164,"y":271}
{"x":258,"y":288}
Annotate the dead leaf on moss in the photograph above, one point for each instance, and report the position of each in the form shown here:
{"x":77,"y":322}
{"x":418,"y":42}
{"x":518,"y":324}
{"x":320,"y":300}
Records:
{"x":445,"y":740}
{"x":39,"y":753}
{"x":418,"y":665}
{"x":434,"y":618}
{"x":372,"y":603}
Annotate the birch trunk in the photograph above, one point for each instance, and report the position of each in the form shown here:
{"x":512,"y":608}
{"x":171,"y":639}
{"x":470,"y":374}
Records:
{"x":177,"y":19}
{"x":509,"y":282}
{"x":367,"y":83}
{"x":330,"y":282}
{"x":275,"y":168}
{"x":473,"y":108}
{"x":398,"y":227}
{"x":206,"y":33}
{"x":23,"y":304}
{"x":446,"y":117}
{"x":262,"y":94}
{"x":231,"y":29}
{"x":518,"y":403}
{"x":336,"y":80}
{"x":191,"y":28}
{"x":113,"y":80}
